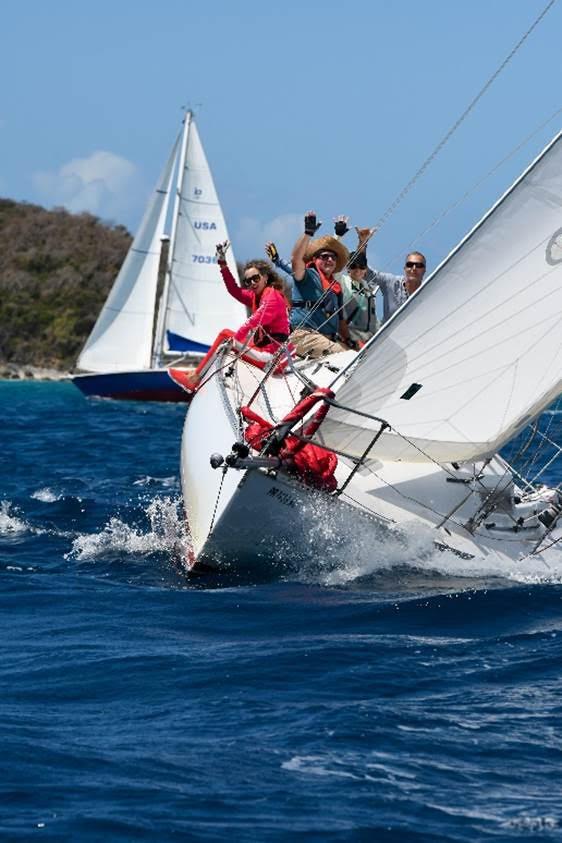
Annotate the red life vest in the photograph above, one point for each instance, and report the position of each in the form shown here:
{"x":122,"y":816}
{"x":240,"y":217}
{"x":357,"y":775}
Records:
{"x":327,"y":283}
{"x":314,"y":465}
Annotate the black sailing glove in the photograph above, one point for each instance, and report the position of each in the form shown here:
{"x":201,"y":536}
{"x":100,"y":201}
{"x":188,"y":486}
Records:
{"x":340,"y":226}
{"x":310,"y":224}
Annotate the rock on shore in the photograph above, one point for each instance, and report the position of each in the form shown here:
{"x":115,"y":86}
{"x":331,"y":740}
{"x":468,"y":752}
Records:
{"x":13,"y":372}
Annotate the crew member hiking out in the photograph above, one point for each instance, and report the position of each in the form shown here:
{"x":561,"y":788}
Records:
{"x":317,"y":322}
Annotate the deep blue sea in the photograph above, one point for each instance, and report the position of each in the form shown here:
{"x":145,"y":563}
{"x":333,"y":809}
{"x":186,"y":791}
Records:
{"x":386,"y":700}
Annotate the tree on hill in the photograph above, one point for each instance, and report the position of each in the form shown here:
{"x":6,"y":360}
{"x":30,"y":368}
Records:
{"x":56,"y":270}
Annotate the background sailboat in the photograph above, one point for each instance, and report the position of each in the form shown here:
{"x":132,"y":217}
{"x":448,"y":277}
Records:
{"x":141,"y":329}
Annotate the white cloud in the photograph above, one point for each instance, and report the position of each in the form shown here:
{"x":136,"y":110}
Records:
{"x":103,"y":183}
{"x":252,"y":235}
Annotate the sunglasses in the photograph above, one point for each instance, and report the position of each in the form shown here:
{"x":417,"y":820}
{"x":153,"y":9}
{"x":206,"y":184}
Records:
{"x":251,"y":279}
{"x":326,"y":256}
{"x":415,"y":265}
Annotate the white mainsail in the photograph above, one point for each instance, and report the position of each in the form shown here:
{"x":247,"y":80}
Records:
{"x":476,"y":353}
{"x":121,"y":339}
{"x":196,"y":304}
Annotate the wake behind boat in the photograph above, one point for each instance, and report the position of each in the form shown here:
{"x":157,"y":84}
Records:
{"x":142,"y":329}
{"x":416,"y":419}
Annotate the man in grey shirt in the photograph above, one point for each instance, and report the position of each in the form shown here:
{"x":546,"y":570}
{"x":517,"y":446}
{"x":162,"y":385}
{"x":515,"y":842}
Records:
{"x":395,"y":289}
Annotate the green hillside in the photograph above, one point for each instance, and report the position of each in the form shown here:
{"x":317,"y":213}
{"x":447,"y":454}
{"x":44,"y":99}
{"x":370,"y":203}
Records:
{"x":56,"y":270}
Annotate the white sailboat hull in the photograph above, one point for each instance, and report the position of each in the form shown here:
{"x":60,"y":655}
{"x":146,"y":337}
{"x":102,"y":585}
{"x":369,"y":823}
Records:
{"x":254,"y":520}
{"x":246,"y":519}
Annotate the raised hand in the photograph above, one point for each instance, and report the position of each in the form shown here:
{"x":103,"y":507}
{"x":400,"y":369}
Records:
{"x":221,"y":250}
{"x":271,"y":252}
{"x":364,"y":234}
{"x":311,"y":225}
{"x":341,"y":225}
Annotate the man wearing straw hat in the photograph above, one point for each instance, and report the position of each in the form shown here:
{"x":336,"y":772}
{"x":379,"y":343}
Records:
{"x":317,"y":323}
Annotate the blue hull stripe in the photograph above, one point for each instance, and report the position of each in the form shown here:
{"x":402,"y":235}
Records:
{"x":154,"y":385}
{"x":178,"y":343}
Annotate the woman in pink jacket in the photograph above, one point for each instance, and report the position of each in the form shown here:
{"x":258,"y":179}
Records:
{"x":262,"y":293}
{"x":263,"y":334}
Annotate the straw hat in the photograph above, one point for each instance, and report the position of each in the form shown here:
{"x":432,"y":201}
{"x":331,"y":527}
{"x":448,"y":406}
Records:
{"x":328,"y":244}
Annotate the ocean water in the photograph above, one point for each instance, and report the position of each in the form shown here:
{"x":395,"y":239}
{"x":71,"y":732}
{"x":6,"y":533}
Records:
{"x":394,"y":698}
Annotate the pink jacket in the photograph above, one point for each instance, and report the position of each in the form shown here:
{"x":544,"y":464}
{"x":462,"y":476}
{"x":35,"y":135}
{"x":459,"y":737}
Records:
{"x":270,"y":313}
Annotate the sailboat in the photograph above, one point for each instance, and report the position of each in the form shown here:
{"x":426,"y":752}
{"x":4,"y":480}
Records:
{"x":415,"y":420}
{"x":141,"y":329}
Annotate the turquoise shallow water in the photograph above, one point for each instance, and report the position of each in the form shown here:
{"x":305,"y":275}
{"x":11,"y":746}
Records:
{"x":387,"y":700}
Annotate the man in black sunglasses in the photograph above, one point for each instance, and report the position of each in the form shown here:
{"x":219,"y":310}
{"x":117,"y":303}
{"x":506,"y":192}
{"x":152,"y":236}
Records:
{"x":395,"y":289}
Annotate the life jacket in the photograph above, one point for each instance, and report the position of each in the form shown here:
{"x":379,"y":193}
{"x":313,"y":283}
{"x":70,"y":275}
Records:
{"x":314,"y":465}
{"x":327,"y":283}
{"x":331,"y":289}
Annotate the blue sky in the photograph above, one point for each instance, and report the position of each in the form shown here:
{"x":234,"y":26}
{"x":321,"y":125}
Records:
{"x":326,"y":105}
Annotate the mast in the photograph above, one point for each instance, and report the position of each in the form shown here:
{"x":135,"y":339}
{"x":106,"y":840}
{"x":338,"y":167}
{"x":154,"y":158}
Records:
{"x":161,"y":321}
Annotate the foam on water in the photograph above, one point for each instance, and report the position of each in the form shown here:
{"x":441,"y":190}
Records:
{"x":46,"y":495}
{"x":10,"y":522}
{"x":167,"y":531}
{"x":337,"y":551}
{"x":166,"y":482}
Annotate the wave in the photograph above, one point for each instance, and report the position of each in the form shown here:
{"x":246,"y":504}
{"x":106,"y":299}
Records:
{"x":337,"y":553}
{"x":166,"y":482}
{"x":12,"y":523}
{"x":166,"y":532}
{"x":46,"y":495}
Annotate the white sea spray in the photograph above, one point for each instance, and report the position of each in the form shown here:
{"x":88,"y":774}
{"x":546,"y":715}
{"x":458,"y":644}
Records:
{"x":10,"y":523}
{"x":166,"y":532}
{"x":46,"y":495}
{"x":337,"y":550}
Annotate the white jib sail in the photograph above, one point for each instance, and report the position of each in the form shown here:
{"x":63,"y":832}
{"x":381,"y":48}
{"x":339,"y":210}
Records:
{"x":197,"y":304}
{"x":121,"y":339}
{"x":476,"y":353}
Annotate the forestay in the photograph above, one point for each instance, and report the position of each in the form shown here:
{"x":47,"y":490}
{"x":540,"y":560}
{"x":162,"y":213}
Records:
{"x":121,"y":339}
{"x":197,"y":306}
{"x":476,"y":353}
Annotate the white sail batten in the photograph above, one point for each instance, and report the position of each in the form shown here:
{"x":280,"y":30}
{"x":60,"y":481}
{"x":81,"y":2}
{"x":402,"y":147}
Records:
{"x":198,"y":305}
{"x":121,"y":339}
{"x":476,"y":353}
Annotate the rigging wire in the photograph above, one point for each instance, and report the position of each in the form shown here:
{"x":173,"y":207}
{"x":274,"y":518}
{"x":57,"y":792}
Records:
{"x":429,"y":160}
{"x":406,"y":189}
{"x":458,"y":202}
{"x":543,"y":435}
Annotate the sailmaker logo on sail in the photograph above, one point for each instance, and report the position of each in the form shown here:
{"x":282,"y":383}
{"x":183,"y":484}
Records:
{"x":554,"y":248}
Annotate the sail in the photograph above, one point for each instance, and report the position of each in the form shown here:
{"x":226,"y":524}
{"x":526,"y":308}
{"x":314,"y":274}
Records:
{"x":197,"y":304}
{"x":476,"y":352}
{"x":121,"y":339}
